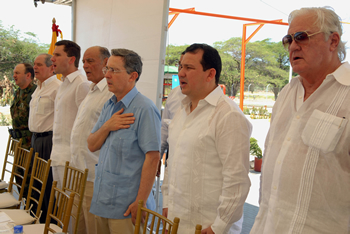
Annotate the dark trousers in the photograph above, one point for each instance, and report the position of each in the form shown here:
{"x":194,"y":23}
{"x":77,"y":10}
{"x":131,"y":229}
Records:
{"x":43,"y":145}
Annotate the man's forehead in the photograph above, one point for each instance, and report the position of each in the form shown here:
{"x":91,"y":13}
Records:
{"x":192,"y":58}
{"x":115,"y":61}
{"x":304,"y":22}
{"x":91,"y":53}
{"x":39,"y":59}
{"x":20,"y":68}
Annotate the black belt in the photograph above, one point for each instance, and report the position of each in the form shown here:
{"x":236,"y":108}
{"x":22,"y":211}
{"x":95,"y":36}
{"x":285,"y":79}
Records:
{"x":42,"y":134}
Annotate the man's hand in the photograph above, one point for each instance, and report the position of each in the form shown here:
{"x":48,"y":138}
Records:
{"x":120,"y":121}
{"x":207,"y":231}
{"x":133,"y":210}
{"x":165,"y":212}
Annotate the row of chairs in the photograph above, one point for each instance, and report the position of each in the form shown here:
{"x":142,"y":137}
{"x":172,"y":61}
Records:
{"x":17,"y":161}
{"x":60,"y":209}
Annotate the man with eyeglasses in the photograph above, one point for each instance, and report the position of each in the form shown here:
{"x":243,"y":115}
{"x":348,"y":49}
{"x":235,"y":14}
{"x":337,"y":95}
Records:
{"x":305,"y":182}
{"x":95,"y":58}
{"x":129,"y":146}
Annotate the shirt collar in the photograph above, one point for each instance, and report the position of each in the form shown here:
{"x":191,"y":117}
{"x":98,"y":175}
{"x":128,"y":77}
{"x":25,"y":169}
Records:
{"x":100,"y":85}
{"x":71,"y":77}
{"x":126,"y":100}
{"x":47,"y":81}
{"x":342,"y":74}
{"x":212,"y":98}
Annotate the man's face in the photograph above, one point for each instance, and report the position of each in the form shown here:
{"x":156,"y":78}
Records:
{"x":307,"y":59}
{"x":121,"y":82}
{"x":19,"y":76}
{"x":192,"y":77}
{"x":41,"y":71}
{"x":93,"y":65}
{"x":60,"y":60}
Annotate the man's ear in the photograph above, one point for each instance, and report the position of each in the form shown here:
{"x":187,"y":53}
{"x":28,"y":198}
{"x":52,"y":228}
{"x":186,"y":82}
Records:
{"x":335,"y":39}
{"x":134,"y":76}
{"x":105,"y":62}
{"x":211,"y":75}
{"x":71,"y":60}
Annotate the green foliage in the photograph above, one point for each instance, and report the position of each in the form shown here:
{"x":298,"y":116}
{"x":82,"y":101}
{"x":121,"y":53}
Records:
{"x":15,"y":48}
{"x":255,"y":149}
{"x":4,"y":121}
{"x":266,"y":63}
{"x":259,"y":113}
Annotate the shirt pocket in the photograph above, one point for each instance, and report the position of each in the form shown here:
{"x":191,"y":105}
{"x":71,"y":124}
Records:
{"x":114,"y":189}
{"x":323,"y":131}
{"x":45,"y":106}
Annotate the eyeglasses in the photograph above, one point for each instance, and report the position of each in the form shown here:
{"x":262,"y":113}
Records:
{"x":107,"y":69}
{"x":302,"y":38}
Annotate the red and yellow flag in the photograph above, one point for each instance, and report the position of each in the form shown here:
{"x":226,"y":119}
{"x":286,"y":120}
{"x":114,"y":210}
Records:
{"x":55,"y":34}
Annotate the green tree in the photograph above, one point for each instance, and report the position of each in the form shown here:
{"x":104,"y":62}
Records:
{"x":173,"y":54}
{"x":16,"y":47}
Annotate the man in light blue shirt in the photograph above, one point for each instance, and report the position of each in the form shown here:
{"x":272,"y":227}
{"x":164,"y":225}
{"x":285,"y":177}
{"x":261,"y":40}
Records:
{"x":128,"y":136}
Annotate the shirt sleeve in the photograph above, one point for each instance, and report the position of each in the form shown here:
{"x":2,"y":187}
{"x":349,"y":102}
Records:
{"x":81,"y":92}
{"x":232,"y":143}
{"x":148,"y":133}
{"x":101,"y":119}
{"x":164,"y":129}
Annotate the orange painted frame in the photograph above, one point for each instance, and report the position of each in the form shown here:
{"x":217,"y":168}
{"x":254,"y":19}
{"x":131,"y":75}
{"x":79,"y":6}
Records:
{"x":245,"y":40}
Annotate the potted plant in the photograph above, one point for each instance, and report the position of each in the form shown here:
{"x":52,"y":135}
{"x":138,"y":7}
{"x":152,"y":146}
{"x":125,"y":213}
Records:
{"x":255,"y":150}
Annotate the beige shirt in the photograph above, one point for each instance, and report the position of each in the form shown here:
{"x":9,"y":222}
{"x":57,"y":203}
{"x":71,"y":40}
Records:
{"x":41,"y":111}
{"x":87,"y":116}
{"x":70,"y":94}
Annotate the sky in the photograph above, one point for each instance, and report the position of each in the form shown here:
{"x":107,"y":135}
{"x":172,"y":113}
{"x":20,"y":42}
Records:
{"x":187,"y":29}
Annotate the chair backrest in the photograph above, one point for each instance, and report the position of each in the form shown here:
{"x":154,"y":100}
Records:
{"x":40,"y":173}
{"x":12,"y":144}
{"x":59,"y":209}
{"x":74,"y":180}
{"x":20,"y":170}
{"x":198,"y":229}
{"x":169,"y":225}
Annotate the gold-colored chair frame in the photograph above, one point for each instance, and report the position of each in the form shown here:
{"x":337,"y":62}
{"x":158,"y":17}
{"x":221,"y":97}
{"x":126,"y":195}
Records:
{"x":198,"y":229}
{"x":61,"y":210}
{"x":40,"y":173}
{"x":12,"y":144}
{"x":169,"y":225}
{"x":74,"y":180}
{"x":22,"y":161}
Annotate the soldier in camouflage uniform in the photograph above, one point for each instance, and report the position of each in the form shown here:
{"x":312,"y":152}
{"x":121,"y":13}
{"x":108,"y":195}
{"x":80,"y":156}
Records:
{"x":23,"y":75}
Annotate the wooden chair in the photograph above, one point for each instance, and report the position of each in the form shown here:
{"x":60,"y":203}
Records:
{"x":169,"y":225}
{"x":59,"y":209}
{"x":74,"y":180}
{"x":198,"y":229}
{"x":40,"y":173}
{"x":22,"y":162}
{"x":12,"y":144}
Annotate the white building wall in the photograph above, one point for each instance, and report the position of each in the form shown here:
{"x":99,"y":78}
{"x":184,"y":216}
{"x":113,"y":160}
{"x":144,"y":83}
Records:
{"x":139,"y":25}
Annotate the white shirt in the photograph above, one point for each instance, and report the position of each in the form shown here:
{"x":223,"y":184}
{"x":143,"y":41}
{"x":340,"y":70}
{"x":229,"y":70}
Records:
{"x":87,"y":116}
{"x":296,"y":185}
{"x":70,"y":94}
{"x":173,"y":104}
{"x":206,"y":181}
{"x":42,"y":105}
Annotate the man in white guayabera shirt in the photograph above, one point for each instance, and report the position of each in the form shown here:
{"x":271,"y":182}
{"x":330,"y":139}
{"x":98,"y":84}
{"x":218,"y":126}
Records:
{"x":95,"y":59}
{"x":206,"y":181}
{"x":305,"y":180}
{"x":70,"y":94}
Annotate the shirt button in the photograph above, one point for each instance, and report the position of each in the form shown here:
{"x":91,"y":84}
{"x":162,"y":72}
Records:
{"x":274,"y":187}
{"x":288,"y":138}
{"x":298,"y":117}
{"x":300,"y":97}
{"x":279,"y":162}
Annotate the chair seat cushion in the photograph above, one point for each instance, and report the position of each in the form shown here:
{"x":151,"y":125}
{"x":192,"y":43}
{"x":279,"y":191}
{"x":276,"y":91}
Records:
{"x":8,"y":200}
{"x":19,"y":217}
{"x":3,"y":185}
{"x":39,"y":228}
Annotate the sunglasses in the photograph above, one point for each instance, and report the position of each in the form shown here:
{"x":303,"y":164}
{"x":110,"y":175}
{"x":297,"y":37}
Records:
{"x":301,"y":38}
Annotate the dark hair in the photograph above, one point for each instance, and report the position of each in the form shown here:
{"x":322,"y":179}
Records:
{"x":210,"y":59}
{"x":72,"y":49}
{"x":132,"y":60}
{"x":28,"y":68}
{"x":104,"y":53}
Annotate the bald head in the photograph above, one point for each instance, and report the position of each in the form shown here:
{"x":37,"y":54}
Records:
{"x":94,"y":59}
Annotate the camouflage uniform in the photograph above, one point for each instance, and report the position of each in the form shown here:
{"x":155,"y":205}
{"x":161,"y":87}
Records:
{"x":20,"y":113}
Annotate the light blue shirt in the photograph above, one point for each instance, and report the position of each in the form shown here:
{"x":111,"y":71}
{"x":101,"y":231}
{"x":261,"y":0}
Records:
{"x":119,"y":167}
